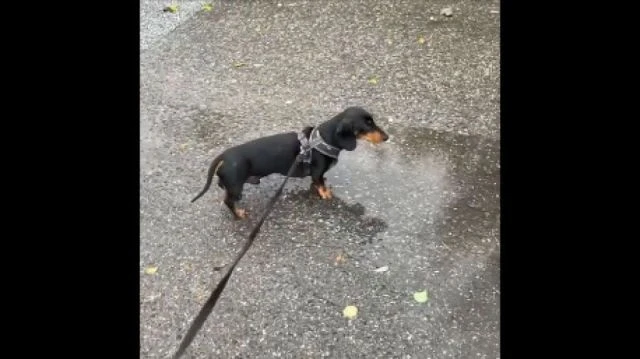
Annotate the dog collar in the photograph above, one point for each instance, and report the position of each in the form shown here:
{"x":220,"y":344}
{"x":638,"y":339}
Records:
{"x":316,"y":142}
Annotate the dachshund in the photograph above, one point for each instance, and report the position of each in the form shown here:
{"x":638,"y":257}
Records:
{"x":250,"y":161}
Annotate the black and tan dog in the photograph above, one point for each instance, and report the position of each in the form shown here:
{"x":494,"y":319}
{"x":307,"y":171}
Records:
{"x":248,"y":162}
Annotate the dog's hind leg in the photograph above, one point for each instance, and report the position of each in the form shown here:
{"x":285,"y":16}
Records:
{"x":233,"y":195}
{"x":231,"y":178}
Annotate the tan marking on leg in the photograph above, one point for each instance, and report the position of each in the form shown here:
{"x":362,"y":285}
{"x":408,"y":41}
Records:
{"x":218,"y":167}
{"x":241,"y":213}
{"x":324,"y":192}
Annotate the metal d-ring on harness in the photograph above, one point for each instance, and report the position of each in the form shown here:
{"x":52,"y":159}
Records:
{"x":315,"y":142}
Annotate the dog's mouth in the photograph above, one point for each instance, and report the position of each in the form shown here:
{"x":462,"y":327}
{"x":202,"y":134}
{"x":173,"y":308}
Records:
{"x":374,"y":137}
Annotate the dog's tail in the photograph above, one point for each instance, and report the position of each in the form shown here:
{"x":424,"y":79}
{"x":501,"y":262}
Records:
{"x":213,"y":169}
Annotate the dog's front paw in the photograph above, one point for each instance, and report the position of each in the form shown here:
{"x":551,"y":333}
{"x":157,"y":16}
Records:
{"x":324,"y":192}
{"x":241,"y":213}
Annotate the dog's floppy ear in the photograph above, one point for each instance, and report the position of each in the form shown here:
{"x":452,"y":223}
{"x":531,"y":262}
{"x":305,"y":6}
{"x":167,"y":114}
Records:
{"x":344,"y":135}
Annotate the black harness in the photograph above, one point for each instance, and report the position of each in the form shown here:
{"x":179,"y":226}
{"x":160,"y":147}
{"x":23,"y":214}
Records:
{"x":315,"y":142}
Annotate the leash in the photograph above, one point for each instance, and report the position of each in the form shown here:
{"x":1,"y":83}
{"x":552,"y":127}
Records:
{"x":213,"y":298}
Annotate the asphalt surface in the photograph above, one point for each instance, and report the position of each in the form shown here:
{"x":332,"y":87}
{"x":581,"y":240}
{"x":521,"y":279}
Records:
{"x":425,"y":204}
{"x":156,"y":23}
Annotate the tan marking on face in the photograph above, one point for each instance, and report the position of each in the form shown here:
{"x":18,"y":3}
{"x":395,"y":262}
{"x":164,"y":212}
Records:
{"x":373,"y":137}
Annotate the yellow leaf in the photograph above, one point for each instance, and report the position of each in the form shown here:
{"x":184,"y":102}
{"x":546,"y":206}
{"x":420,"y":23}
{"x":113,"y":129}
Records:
{"x":151,"y":270}
{"x":238,"y":64}
{"x":350,"y":311}
{"x":420,"y":297}
{"x":171,"y":8}
{"x":421,"y":40}
{"x":207,"y":7}
{"x":373,"y":79}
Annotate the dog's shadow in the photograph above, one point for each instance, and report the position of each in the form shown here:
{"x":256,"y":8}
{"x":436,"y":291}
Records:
{"x":302,"y":210}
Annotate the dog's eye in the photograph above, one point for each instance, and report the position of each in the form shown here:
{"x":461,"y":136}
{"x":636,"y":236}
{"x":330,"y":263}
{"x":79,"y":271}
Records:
{"x":369,"y":121}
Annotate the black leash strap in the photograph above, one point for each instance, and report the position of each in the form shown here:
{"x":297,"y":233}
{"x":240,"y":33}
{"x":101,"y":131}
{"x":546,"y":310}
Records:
{"x":213,"y":298}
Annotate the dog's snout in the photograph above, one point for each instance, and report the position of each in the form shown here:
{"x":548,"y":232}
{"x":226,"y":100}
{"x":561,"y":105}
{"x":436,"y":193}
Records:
{"x":384,"y":136}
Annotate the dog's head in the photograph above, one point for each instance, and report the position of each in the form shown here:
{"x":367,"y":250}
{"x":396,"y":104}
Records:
{"x":355,"y":123}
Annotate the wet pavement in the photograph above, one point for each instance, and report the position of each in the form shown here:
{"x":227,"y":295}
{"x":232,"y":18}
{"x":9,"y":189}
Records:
{"x":425,"y":204}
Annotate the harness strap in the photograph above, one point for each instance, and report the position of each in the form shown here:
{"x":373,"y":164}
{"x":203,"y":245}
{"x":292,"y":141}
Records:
{"x":305,"y":148}
{"x":316,"y":142}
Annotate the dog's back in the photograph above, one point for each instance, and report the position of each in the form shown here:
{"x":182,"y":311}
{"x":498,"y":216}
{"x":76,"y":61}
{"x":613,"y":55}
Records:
{"x":266,"y":155}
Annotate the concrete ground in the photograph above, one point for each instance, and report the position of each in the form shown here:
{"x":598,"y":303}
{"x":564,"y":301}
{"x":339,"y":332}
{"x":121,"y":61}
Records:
{"x":425,"y":204}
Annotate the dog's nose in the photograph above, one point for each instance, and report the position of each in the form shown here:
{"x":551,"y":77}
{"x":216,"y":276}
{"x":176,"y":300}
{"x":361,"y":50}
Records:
{"x":384,"y":136}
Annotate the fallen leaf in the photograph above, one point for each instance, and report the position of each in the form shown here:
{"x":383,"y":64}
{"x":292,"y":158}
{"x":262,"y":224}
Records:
{"x":382,"y":269}
{"x":151,"y":298}
{"x":421,"y":39}
{"x":151,"y":270}
{"x":183,"y":146}
{"x":340,"y":258}
{"x":186,"y":267}
{"x":171,"y":8}
{"x":239,"y":64}
{"x":350,"y":311}
{"x":420,"y":297}
{"x":373,"y":79}
{"x":207,"y":7}
{"x":447,"y":11}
